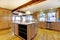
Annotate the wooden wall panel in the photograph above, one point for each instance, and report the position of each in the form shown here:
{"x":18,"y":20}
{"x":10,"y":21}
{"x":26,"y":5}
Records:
{"x":35,"y":15}
{"x":5,"y":18}
{"x":58,"y":13}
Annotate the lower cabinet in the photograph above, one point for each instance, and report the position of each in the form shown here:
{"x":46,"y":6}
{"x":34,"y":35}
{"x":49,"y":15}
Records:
{"x":27,"y":32}
{"x":42,"y":24}
{"x":50,"y":25}
{"x":55,"y":26}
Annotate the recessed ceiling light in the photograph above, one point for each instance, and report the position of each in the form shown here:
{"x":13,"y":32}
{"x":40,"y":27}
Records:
{"x":41,"y":10}
{"x":28,"y":12}
{"x":20,"y":13}
{"x":51,"y":8}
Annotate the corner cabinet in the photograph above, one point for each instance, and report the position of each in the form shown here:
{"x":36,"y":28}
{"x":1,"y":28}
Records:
{"x":27,"y":32}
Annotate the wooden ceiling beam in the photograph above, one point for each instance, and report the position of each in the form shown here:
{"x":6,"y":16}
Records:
{"x":26,"y":4}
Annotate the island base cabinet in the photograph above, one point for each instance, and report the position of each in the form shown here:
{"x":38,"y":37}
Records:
{"x":32,"y":31}
{"x":27,"y":32}
{"x":15,"y":29}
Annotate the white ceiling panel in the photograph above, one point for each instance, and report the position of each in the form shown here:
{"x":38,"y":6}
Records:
{"x":12,"y":4}
{"x":43,"y":6}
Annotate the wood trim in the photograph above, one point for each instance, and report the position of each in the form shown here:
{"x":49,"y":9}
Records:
{"x":28,"y":3}
{"x":58,"y":13}
{"x":5,"y":28}
{"x":5,"y":9}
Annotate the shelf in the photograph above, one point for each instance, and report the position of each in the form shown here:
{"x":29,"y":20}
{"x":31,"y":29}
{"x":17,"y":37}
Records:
{"x":22,"y":26}
{"x":24,"y":30}
{"x":23,"y":35}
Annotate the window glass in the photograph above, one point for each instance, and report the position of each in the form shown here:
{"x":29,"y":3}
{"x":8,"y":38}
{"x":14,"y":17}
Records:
{"x":52,"y":17}
{"x":42,"y":17}
{"x":15,"y":19}
{"x":23,"y":18}
{"x":29,"y":18}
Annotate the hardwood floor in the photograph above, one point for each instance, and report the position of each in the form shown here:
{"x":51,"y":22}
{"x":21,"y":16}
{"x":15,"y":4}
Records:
{"x":42,"y":34}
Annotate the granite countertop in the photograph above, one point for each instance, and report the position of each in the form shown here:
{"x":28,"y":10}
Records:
{"x":25,"y":23}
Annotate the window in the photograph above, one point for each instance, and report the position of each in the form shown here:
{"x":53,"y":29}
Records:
{"x":52,"y":17}
{"x":13,"y":19}
{"x":16,"y":19}
{"x":42,"y":17}
{"x":29,"y":18}
{"x":23,"y":18}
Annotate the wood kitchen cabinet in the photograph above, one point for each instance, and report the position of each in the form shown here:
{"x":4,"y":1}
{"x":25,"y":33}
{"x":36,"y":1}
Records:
{"x":42,"y":24}
{"x":5,"y":18}
{"x":27,"y":32}
{"x":55,"y":26}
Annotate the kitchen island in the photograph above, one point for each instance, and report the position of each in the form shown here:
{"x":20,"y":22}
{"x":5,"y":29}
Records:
{"x":26,"y":30}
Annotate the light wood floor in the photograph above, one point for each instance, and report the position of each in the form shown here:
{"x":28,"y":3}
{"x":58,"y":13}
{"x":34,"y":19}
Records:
{"x":42,"y":34}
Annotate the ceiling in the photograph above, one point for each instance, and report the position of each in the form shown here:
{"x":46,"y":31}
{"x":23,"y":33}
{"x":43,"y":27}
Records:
{"x":43,"y":6}
{"x":12,"y":4}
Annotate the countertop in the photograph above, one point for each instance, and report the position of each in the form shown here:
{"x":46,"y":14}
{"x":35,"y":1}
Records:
{"x":25,"y":23}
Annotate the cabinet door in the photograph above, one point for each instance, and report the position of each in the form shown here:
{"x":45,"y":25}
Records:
{"x":33,"y":30}
{"x":36,"y":28}
{"x":9,"y":19}
{"x":16,"y":31}
{"x":42,"y":24}
{"x":5,"y":19}
{"x":29,"y":32}
{"x":56,"y":26}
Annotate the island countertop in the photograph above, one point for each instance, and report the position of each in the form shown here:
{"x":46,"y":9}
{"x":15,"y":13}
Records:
{"x":25,"y":23}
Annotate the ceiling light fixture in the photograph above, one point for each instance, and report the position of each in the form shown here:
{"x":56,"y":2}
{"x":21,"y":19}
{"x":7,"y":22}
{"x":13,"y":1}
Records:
{"x":28,"y":12}
{"x":51,"y":8}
